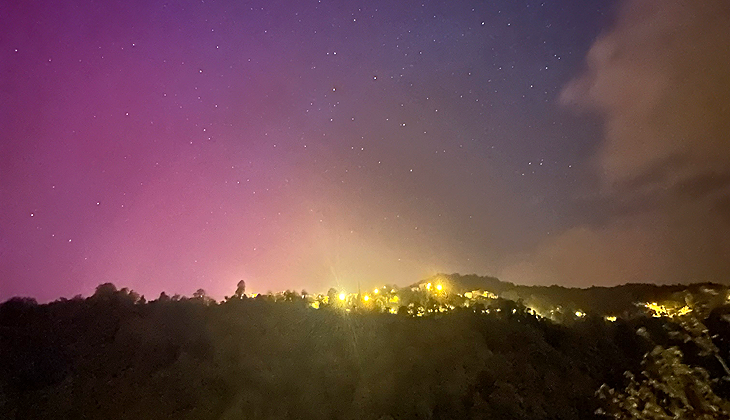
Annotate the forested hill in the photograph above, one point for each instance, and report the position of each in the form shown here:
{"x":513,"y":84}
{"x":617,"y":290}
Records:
{"x":116,"y":356}
{"x":440,"y":355}
{"x":623,"y":300}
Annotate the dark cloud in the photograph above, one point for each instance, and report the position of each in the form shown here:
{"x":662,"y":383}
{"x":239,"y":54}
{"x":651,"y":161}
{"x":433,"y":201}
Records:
{"x":660,"y":79}
{"x":703,"y":185}
{"x":722,"y":206}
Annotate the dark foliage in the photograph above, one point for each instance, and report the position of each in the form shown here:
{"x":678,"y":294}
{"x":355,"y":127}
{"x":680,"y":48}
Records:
{"x":116,"y":356}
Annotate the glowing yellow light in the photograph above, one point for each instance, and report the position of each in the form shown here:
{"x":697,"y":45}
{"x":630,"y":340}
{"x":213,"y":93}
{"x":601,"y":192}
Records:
{"x":428,"y":286}
{"x":342,"y":296}
{"x":439,"y":287}
{"x":468,"y":295}
{"x":366,"y":298}
{"x":315,"y":305}
{"x":611,"y":318}
{"x":376,"y":291}
{"x":658,"y":310}
{"x":580,"y":314}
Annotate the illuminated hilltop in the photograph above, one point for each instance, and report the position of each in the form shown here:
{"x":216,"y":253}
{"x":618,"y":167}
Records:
{"x":444,"y":293}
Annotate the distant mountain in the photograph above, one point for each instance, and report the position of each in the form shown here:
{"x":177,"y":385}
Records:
{"x":621,"y":300}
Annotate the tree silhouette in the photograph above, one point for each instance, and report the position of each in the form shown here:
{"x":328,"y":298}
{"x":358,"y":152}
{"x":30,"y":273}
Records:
{"x":105,"y":291}
{"x":240,"y":289}
{"x":668,"y":387}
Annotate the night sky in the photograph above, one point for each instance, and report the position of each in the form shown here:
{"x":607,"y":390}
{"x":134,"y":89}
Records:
{"x":177,"y":145}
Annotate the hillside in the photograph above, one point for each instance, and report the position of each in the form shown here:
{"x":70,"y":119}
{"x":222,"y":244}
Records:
{"x":115,"y":355}
{"x":624,"y":300}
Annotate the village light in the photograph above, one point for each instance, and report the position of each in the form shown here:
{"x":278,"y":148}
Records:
{"x":342,"y":296}
{"x":428,"y":286}
{"x":439,"y":287}
{"x":376,"y":291}
{"x":684,"y":311}
{"x":366,"y":298}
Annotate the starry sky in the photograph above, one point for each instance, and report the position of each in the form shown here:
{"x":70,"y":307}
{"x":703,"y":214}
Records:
{"x":177,"y":145}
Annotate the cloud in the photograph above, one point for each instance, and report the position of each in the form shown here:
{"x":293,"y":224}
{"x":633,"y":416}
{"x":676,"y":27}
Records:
{"x":660,"y":80}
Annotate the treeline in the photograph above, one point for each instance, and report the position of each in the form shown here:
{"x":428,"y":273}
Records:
{"x":116,"y":356}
